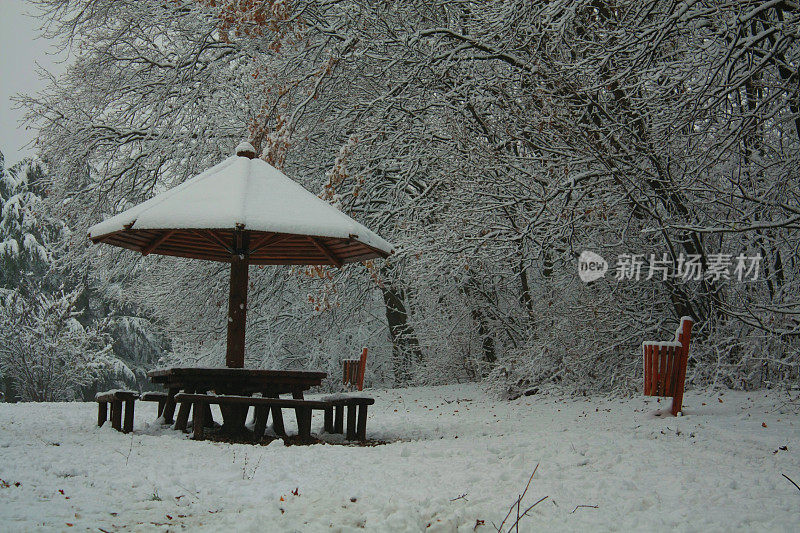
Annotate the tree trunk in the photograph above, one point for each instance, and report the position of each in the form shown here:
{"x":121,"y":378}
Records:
{"x":405,"y":346}
{"x":484,"y":330}
{"x":9,"y":390}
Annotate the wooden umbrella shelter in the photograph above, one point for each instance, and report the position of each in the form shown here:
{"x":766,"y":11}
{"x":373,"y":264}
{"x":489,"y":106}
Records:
{"x":242,"y":211}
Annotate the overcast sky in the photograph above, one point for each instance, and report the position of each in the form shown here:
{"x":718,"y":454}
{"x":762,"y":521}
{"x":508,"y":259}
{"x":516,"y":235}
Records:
{"x":20,"y":51}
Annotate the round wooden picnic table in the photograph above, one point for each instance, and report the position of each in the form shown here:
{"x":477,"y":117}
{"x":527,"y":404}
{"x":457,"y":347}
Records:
{"x":236,"y":381}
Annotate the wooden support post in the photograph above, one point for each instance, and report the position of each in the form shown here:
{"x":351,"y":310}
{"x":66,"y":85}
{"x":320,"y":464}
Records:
{"x":198,"y":420}
{"x":351,"y":422}
{"x":237,"y":301}
{"x":161,"y":404}
{"x":102,"y":413}
{"x":116,"y":414}
{"x":328,"y":419}
{"x":361,"y":430}
{"x":127,"y":427}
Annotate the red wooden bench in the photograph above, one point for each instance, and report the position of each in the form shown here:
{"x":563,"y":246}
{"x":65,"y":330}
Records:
{"x":354,"y":371}
{"x":665,"y":365}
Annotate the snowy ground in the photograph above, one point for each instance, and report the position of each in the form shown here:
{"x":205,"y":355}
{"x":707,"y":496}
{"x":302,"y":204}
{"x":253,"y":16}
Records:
{"x":459,"y":458}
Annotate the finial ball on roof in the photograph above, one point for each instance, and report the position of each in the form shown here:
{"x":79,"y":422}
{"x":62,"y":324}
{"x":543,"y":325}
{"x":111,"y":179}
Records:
{"x":245,"y":149}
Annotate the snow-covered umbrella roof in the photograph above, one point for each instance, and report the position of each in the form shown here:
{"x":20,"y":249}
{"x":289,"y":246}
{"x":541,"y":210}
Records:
{"x":286,"y":224}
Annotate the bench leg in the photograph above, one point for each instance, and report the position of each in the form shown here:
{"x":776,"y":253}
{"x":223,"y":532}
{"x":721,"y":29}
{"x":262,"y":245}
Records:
{"x":277,"y":422}
{"x":116,"y":414}
{"x":127,"y":427}
{"x":304,"y":422}
{"x":169,"y":406}
{"x":183,"y":416}
{"x":208,"y":415}
{"x":198,"y":420}
{"x":361,"y":430}
{"x":298,"y":395}
{"x":161,"y":407}
{"x":338,"y":426}
{"x":328,"y":420}
{"x":351,"y":422}
{"x":102,"y":413}
{"x":261,"y":415}
{"x":277,"y":416}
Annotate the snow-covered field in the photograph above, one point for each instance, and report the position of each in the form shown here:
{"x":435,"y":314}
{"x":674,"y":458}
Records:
{"x":458,"y":460}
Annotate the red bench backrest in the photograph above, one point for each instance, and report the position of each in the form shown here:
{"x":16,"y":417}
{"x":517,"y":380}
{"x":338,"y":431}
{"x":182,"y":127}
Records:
{"x":354,"y":371}
{"x":361,"y":367}
{"x":684,"y":333}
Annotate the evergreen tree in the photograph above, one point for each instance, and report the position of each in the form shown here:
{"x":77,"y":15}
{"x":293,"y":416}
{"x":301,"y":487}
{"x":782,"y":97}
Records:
{"x":59,"y":339}
{"x":26,"y":228}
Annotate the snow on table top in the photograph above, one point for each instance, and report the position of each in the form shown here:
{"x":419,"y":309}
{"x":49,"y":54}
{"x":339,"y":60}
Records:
{"x":114,"y":391}
{"x":715,"y":469}
{"x":246,"y":192}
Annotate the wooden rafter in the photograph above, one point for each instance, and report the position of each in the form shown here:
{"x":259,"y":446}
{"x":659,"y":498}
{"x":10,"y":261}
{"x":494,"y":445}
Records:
{"x":268,"y":240}
{"x":102,"y":239}
{"x":213,"y":238}
{"x":158,"y":241}
{"x":325,"y":251}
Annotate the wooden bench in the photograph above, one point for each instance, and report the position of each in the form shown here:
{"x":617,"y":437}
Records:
{"x":353,"y":371}
{"x":262,"y":407}
{"x":166,"y":409}
{"x":116,"y":398}
{"x":160,"y":397}
{"x":355,"y":430}
{"x":665,"y":365}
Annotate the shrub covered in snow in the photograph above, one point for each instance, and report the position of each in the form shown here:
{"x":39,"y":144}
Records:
{"x":46,"y":352}
{"x":60,"y":339}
